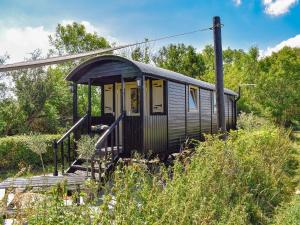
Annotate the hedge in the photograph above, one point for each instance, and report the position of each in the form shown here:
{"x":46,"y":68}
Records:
{"x":14,"y":151}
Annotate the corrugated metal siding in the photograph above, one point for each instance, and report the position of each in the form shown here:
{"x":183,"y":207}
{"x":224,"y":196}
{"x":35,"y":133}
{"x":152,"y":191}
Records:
{"x":192,"y":119}
{"x":155,"y":133}
{"x":176,"y":115}
{"x":214,"y":122}
{"x":231,"y":112}
{"x":132,"y":133}
{"x":206,"y":106}
{"x":226,"y":100}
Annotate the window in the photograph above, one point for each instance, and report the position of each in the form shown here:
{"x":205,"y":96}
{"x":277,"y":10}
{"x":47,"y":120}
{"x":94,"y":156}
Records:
{"x":108,"y":98}
{"x":157,"y":97}
{"x":214,"y":102}
{"x":134,"y":100}
{"x":193,"y":99}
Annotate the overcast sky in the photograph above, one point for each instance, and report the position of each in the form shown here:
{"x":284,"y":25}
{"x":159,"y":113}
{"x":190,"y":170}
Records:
{"x":268,"y":24}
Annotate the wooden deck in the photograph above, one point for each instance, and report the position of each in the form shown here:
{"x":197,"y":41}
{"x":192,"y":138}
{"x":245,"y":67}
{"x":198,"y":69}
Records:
{"x":42,"y":181}
{"x":75,"y":176}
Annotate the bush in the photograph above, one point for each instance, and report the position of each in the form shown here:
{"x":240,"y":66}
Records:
{"x":240,"y":181}
{"x":14,"y":150}
{"x":289,"y":214}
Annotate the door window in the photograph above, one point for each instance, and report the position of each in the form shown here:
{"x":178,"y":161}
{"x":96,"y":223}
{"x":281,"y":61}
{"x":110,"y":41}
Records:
{"x":157,"y":97}
{"x":108,"y":98}
{"x":134,"y":100}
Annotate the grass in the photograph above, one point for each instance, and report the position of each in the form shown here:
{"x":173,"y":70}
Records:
{"x":249,"y":179}
{"x":240,"y":181}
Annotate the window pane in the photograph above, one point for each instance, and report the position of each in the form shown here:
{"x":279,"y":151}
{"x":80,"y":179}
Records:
{"x":134,"y":98}
{"x":193,"y":96}
{"x":108,"y":98}
{"x":157,"y":96}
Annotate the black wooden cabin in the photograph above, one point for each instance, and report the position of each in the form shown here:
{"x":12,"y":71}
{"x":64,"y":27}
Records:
{"x":147,"y":109}
{"x":162,"y":108}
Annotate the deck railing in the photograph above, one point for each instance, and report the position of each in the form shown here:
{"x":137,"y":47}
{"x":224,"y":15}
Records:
{"x":112,"y":135}
{"x":67,"y":136}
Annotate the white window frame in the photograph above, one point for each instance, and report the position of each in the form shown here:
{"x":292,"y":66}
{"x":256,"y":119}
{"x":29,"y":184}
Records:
{"x":108,"y":99}
{"x":128,"y":87}
{"x":214,"y":102}
{"x":196,"y":109}
{"x":161,"y":98}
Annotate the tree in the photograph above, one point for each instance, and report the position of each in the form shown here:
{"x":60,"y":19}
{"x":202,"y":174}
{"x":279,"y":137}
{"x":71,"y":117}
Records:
{"x":3,"y":86}
{"x":208,"y":56}
{"x":70,"y":39}
{"x":142,"y":53}
{"x":35,"y":144}
{"x":73,"y":38}
{"x":86,"y":148}
{"x":182,"y":59}
{"x":279,"y":85}
{"x":33,"y":88}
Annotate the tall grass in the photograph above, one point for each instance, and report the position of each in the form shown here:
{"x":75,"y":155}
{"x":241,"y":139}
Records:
{"x":240,"y":181}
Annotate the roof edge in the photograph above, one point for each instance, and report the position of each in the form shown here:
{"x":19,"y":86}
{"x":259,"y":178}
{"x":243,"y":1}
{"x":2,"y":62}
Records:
{"x":145,"y":68}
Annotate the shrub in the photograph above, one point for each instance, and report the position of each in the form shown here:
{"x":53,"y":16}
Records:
{"x":289,"y":214}
{"x":240,"y":181}
{"x":14,"y":150}
{"x":36,"y":144}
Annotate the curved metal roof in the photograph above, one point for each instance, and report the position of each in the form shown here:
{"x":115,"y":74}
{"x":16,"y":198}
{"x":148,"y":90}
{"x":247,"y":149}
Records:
{"x":80,"y":70}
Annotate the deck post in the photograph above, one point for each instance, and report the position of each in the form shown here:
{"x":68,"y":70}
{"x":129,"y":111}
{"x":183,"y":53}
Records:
{"x":75,"y":103}
{"x":55,"y":173}
{"x":75,"y":113}
{"x":123,"y":108}
{"x":122,"y":94}
{"x":219,"y":73}
{"x":142,"y":107}
{"x":89,"y":111}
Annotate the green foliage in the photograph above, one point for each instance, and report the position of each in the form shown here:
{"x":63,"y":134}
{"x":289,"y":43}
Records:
{"x":240,"y":181}
{"x":14,"y":150}
{"x":3,"y":86}
{"x":278,"y":89}
{"x":182,"y":59}
{"x":36,"y":144}
{"x":86,"y":146}
{"x":289,"y":214}
{"x":10,"y":117}
{"x":52,"y":209}
{"x":73,"y":38}
{"x":43,"y":100}
{"x":142,"y":53}
{"x":276,"y":81}
{"x":32,"y":109}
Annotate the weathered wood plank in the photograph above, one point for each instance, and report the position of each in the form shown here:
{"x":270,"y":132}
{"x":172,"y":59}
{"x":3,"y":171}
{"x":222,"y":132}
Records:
{"x":41,"y":181}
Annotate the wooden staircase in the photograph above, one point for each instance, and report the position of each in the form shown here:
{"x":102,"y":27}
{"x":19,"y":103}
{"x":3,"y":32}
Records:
{"x":108,"y":149}
{"x":97,"y":168}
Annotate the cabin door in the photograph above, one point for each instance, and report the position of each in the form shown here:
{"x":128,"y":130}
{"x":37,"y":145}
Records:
{"x":131,"y":122}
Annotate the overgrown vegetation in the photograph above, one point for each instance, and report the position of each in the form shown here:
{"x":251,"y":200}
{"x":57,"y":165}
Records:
{"x":86,"y":148}
{"x":14,"y":151}
{"x":240,"y":181}
{"x":37,"y":145}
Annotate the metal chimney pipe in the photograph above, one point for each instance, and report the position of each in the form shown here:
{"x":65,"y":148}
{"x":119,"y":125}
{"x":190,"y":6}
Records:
{"x":219,"y":73}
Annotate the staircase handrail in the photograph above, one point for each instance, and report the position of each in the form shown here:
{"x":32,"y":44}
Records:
{"x":108,"y":131}
{"x":76,"y":125}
